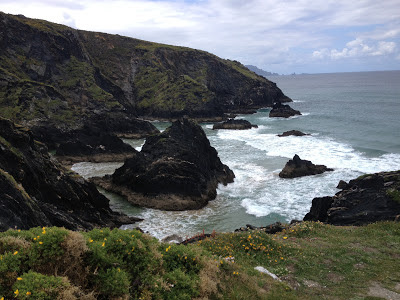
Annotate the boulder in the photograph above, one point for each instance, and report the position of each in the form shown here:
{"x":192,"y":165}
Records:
{"x":367,"y":199}
{"x":177,"y":169}
{"x":37,"y":191}
{"x":282,"y":111}
{"x":292,"y":132}
{"x":298,"y":167}
{"x":234,"y":124}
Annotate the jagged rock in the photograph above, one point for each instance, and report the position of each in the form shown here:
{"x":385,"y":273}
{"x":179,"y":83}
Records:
{"x":297,"y":167}
{"x":234,"y":124}
{"x":177,"y":169}
{"x":282,"y":111}
{"x":36,"y":191}
{"x":342,"y":185}
{"x":364,"y":200}
{"x":292,"y":132}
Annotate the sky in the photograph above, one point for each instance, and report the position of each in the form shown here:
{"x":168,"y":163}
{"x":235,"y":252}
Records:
{"x":282,"y":36}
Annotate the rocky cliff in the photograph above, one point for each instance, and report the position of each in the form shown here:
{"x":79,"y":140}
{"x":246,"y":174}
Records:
{"x":36,"y":191}
{"x":367,"y":199}
{"x":55,"y":74}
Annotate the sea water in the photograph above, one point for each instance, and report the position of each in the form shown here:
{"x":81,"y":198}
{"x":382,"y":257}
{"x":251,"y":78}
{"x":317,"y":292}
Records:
{"x":354,"y":124}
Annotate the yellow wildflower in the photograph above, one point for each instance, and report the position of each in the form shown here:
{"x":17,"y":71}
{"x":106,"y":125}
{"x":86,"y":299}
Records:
{"x":16,"y":252}
{"x":40,"y":243}
{"x":19,"y":278}
{"x":90,"y":241}
{"x":103,"y":244}
{"x":285,"y":237}
{"x":16,"y":292}
{"x":28,"y":293}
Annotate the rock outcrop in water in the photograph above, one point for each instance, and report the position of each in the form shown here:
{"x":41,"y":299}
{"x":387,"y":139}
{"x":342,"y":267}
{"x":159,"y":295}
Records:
{"x":36,"y":191}
{"x":234,"y":125}
{"x":292,"y":132}
{"x":177,"y":169}
{"x":282,"y":111}
{"x":367,"y":199}
{"x":298,"y":167}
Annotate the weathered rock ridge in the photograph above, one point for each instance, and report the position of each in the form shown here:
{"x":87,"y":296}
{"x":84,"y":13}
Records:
{"x":234,"y":125}
{"x":280,"y":110}
{"x":298,"y":167}
{"x":36,"y":191}
{"x":53,"y":74}
{"x":367,"y":199}
{"x":177,"y":169}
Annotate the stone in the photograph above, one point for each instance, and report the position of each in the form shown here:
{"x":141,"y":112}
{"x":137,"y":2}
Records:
{"x":292,"y":132}
{"x":282,"y":111}
{"x":297,"y":167}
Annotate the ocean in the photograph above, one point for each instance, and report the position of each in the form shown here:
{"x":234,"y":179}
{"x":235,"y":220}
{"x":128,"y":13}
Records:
{"x":354,"y":124}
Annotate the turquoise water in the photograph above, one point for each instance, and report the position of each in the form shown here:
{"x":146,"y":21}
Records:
{"x":353,"y":119}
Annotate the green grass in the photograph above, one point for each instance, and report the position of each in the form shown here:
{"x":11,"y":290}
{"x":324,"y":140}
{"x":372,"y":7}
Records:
{"x":313,"y":261}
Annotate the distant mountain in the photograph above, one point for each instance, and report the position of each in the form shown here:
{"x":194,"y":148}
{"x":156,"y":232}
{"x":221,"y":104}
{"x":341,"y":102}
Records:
{"x":260,"y":72}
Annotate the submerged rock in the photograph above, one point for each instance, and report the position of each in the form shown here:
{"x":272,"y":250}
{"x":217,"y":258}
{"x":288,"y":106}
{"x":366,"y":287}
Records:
{"x":234,"y":124}
{"x":298,"y":167}
{"x":36,"y":191}
{"x":367,"y":199}
{"x":177,"y":169}
{"x":292,"y":132}
{"x":283,"y":111}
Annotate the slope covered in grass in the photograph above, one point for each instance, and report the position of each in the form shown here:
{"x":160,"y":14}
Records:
{"x":312,"y":260}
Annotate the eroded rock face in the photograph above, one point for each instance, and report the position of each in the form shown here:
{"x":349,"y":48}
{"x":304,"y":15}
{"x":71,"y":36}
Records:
{"x":298,"y":167}
{"x":177,"y":169}
{"x":234,"y":125}
{"x":367,"y":199}
{"x":36,"y":191}
{"x":283,"y":111}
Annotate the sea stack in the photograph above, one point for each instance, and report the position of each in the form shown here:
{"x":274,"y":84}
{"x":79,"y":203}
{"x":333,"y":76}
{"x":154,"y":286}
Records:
{"x":283,"y":111}
{"x":177,"y":169}
{"x":298,"y":167}
{"x":234,"y":125}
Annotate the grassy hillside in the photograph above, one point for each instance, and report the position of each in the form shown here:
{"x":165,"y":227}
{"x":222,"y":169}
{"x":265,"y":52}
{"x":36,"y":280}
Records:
{"x":312,"y":260}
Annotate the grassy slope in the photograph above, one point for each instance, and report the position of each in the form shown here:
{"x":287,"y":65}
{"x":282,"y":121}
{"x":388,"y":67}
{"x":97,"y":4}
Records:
{"x":314,"y":261}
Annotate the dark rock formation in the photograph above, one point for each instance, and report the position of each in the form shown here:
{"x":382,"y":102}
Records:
{"x":36,"y":191}
{"x":292,"y":132}
{"x":297,"y":167}
{"x":283,"y":111}
{"x":270,"y":229}
{"x":367,"y":199}
{"x":234,"y":124}
{"x":176,"y":170}
{"x":53,"y":73}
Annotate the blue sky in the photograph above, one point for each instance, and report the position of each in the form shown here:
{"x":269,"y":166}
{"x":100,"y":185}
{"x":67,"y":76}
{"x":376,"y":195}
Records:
{"x":282,"y":36}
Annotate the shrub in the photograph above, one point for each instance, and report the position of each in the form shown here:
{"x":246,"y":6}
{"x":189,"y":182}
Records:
{"x":33,"y":285}
{"x":113,"y":282}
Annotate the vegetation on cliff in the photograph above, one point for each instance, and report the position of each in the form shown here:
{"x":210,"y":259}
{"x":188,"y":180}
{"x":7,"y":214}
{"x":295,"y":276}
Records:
{"x":311,"y":260}
{"x":51,"y":72}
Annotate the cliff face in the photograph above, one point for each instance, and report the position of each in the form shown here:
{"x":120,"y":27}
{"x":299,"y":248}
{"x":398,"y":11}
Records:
{"x":50,"y":72}
{"x":35,"y":191}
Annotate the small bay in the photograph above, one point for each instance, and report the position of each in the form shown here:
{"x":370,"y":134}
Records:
{"x":354,"y":126}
